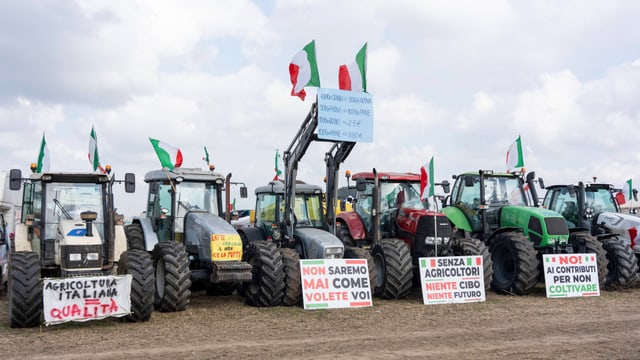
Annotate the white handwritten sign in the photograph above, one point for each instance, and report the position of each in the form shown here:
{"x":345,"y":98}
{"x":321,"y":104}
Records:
{"x":85,"y":298}
{"x":345,"y":115}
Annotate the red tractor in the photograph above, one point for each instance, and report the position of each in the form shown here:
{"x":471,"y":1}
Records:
{"x":393,"y":221}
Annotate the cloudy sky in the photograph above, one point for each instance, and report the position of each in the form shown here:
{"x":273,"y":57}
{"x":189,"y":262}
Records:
{"x":458,"y":79}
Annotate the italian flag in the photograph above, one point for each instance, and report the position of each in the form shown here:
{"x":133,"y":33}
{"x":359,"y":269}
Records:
{"x":93,"y":151}
{"x":354,"y":76}
{"x":170,"y":156}
{"x":43,"y":157}
{"x":514,"y":155}
{"x":303,"y":70}
{"x":278,"y":172}
{"x":628,"y":190}
{"x":427,"y":180}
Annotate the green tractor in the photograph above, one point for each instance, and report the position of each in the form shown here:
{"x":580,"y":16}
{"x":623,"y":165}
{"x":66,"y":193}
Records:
{"x":502,"y":210}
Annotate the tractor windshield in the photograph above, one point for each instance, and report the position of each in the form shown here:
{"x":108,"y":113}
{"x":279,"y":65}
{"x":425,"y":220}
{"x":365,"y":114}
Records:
{"x":503,"y":190}
{"x":600,"y":199}
{"x":196,"y":196}
{"x":308,"y":210}
{"x":67,"y":201}
{"x":400,"y":194}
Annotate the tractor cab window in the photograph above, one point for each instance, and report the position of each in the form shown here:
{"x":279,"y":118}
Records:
{"x":363,"y":205}
{"x":308,"y":210}
{"x":266,"y":205}
{"x":196,"y":196}
{"x":32,"y":201}
{"x":67,"y":201}
{"x":600,"y":200}
{"x":566,"y":203}
{"x":503,"y":190}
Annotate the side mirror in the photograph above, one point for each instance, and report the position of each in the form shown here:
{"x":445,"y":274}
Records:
{"x":243,"y":192}
{"x":361,"y":185}
{"x":446,"y":187}
{"x":15,"y":179}
{"x":129,"y":182}
{"x":541,"y":182}
{"x":635,"y":194}
{"x":154,"y":188}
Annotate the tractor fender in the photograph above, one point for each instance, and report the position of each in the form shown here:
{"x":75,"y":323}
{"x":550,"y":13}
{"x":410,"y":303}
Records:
{"x":150,"y":237}
{"x":353,"y":222}
{"x":119,"y":242}
{"x":503,"y":230}
{"x":250,"y":234}
{"x":457,"y":218}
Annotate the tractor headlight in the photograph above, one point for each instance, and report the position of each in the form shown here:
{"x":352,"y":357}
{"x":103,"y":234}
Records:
{"x":75,"y":257}
{"x":333,"y":253}
{"x":93,"y":256}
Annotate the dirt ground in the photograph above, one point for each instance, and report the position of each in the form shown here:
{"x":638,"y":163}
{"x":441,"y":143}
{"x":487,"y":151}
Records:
{"x":605,"y":327}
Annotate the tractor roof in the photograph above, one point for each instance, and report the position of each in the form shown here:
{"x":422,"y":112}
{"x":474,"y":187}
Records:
{"x":592,"y":186}
{"x":387,"y":176}
{"x":70,"y":177}
{"x":277,"y":187}
{"x":193,"y":174}
{"x":488,"y":173}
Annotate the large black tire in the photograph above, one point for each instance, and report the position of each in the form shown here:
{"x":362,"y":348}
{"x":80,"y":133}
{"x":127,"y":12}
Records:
{"x":515,"y":264}
{"x":592,"y":246}
{"x":266,"y":287}
{"x":464,"y":246}
{"x":135,"y":237}
{"x":173,"y":277}
{"x":292,"y":281}
{"x":623,"y":264}
{"x":343,"y":233}
{"x":25,"y":291}
{"x":394,"y":270}
{"x":139,"y":265}
{"x":351,"y":252}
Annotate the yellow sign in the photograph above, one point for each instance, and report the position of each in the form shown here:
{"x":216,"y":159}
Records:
{"x":226,"y":247}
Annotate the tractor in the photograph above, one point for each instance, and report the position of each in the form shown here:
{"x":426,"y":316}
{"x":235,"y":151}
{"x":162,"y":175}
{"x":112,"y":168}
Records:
{"x":393,"y":221}
{"x":194,"y":248}
{"x":69,"y":228}
{"x":496,"y":208}
{"x":290,"y":214}
{"x":591,"y":209}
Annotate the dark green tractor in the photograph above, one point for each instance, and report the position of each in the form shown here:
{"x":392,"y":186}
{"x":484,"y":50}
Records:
{"x":497,"y":209}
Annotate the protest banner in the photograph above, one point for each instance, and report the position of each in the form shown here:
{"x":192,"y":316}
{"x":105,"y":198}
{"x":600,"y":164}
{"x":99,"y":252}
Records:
{"x":571,"y":275}
{"x":454,"y":279}
{"x":335,"y":283}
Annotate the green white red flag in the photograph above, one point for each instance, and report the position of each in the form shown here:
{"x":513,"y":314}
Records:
{"x":170,"y":156}
{"x":94,"y":160}
{"x":427,"y":180}
{"x":353,"y":77}
{"x":277,"y":170}
{"x":514,"y":155}
{"x":303,"y":70}
{"x":43,"y":157}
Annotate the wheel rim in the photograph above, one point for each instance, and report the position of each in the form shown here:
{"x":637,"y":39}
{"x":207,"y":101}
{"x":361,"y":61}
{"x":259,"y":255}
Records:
{"x":160,"y":279}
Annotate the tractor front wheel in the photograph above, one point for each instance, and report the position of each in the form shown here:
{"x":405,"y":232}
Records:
{"x":592,"y":246}
{"x":623,"y":265}
{"x":173,"y":277}
{"x":139,"y":265}
{"x":515,"y":264}
{"x":266,"y":287}
{"x":292,"y":282}
{"x":394,"y":269}
{"x":352,"y":252}
{"x":465,"y":246}
{"x":25,"y":292}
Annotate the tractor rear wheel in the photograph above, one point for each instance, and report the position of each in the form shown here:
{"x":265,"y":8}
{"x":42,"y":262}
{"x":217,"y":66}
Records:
{"x":592,"y":246}
{"x":515,"y":264}
{"x":173,"y":277}
{"x":343,"y":233}
{"x":266,"y":287}
{"x":623,"y":264}
{"x":139,"y":265}
{"x":394,"y":270}
{"x":292,"y":281}
{"x":25,"y":292}
{"x":352,"y":252}
{"x":464,"y":246}
{"x":135,"y":237}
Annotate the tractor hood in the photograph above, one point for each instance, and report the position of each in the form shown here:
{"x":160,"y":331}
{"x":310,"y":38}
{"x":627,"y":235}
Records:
{"x":626,"y":226}
{"x":214,"y":238}
{"x":544,"y":227}
{"x":318,"y":243}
